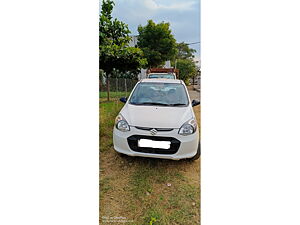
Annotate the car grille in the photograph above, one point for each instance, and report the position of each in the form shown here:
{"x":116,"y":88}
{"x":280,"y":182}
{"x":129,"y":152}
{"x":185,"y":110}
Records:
{"x":133,"y":144}
{"x":158,"y":129}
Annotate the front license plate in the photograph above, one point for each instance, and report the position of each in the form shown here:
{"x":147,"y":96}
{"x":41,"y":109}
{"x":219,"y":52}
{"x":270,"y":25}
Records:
{"x":146,"y":143}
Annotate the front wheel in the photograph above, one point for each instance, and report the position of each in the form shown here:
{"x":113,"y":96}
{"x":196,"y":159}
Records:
{"x":197,"y":154}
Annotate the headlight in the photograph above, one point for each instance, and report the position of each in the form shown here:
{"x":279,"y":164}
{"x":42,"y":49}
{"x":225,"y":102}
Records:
{"x":121,"y":124}
{"x":188,"y":128}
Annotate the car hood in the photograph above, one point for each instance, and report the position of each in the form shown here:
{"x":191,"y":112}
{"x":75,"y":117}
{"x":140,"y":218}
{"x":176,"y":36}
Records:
{"x":156,"y":116}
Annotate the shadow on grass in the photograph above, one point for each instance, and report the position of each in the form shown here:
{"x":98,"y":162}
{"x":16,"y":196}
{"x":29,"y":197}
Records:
{"x":154,"y":162}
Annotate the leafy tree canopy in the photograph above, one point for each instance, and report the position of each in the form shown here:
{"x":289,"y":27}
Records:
{"x":187,"y":69}
{"x":114,"y":39}
{"x":115,"y":53}
{"x":157,"y":43}
{"x":184,"y":51}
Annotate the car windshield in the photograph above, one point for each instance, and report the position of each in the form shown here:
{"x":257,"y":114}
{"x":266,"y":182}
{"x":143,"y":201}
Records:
{"x":166,"y":76}
{"x":163,"y":94}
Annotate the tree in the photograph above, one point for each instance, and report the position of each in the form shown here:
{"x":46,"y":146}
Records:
{"x":115,"y":54}
{"x":184,"y":52}
{"x":187,"y":69}
{"x":157,"y":43}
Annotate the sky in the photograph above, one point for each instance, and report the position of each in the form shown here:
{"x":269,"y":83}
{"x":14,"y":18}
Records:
{"x":183,"y":16}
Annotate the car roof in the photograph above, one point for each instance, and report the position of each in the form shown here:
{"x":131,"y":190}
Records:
{"x":161,"y":73}
{"x":161,"y":80}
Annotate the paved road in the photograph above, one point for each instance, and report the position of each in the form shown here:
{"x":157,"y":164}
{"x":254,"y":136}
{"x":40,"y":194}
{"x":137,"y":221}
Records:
{"x":193,"y":94}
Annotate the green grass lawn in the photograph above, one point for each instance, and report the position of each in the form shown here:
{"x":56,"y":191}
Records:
{"x":108,"y":113}
{"x":113,"y":94}
{"x":163,"y":205}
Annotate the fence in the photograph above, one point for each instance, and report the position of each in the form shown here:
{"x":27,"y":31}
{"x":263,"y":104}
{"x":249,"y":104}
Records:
{"x":119,"y":87}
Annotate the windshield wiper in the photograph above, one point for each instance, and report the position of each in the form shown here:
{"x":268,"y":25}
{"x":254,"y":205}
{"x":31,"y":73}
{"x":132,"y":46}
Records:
{"x":153,"y":103}
{"x":176,"y":104}
{"x":157,"y":103}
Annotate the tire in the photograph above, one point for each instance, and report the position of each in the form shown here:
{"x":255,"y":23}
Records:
{"x":197,"y":156}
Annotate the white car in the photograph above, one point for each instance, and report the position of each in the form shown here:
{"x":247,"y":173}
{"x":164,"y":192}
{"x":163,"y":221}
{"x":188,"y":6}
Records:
{"x":158,"y":121}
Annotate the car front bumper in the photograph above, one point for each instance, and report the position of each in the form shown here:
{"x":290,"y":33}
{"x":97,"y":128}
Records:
{"x":187,"y":148}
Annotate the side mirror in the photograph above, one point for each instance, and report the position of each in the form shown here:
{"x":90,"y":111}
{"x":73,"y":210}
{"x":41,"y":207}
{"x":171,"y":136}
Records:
{"x":195,"y":102}
{"x":123,"y":99}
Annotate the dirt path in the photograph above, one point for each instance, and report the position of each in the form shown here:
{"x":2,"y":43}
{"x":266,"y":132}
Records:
{"x":193,"y":94}
{"x":139,"y":190}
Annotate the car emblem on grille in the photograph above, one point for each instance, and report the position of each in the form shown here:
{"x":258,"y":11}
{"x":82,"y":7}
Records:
{"x":153,"y":131}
